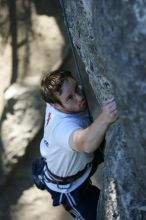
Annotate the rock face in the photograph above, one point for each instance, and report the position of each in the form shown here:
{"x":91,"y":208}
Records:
{"x":110,"y":38}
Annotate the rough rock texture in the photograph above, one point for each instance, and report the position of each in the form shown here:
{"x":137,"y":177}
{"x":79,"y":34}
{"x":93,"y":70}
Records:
{"x":110,"y":37}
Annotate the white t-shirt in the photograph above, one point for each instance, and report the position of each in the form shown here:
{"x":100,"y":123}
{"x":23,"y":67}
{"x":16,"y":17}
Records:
{"x":61,"y":159}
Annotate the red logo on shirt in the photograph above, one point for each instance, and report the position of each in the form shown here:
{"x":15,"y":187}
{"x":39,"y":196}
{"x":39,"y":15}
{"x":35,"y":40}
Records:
{"x":48,"y":119}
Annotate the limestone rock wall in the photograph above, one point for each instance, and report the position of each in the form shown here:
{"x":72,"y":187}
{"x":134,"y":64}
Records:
{"x":110,"y":37}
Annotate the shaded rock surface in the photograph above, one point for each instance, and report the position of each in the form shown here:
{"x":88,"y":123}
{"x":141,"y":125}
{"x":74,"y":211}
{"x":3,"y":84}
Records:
{"x":22,"y":119}
{"x":35,"y":44}
{"x":110,"y":38}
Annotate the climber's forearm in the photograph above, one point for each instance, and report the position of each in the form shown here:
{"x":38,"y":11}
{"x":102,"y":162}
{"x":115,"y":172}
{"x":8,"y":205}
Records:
{"x":89,"y":139}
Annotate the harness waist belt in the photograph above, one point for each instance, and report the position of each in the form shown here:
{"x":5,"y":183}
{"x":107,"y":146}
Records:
{"x":69,"y":179}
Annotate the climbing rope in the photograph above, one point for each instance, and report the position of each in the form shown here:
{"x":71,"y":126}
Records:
{"x":73,"y":52}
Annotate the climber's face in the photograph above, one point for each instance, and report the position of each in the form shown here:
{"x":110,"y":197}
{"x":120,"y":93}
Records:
{"x":71,"y":98}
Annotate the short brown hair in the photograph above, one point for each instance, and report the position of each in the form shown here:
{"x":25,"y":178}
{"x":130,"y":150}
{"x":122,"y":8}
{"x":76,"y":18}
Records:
{"x":52,"y":83}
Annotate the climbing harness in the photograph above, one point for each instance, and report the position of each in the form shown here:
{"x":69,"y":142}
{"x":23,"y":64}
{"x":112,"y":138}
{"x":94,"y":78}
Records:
{"x":68,"y":179}
{"x":40,"y":168}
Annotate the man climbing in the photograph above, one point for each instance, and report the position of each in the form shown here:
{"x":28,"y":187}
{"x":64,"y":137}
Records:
{"x":69,"y":143}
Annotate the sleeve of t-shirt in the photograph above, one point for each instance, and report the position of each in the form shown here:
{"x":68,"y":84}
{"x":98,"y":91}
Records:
{"x":63,"y":131}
